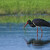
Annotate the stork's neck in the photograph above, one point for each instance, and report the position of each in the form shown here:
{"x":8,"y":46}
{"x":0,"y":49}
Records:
{"x":31,"y":24}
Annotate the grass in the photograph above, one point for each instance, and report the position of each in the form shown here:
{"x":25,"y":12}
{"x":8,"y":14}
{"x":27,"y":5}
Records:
{"x":24,"y":6}
{"x":22,"y":19}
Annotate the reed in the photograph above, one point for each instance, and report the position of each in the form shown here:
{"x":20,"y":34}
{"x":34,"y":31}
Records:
{"x":24,"y":6}
{"x":21,"y":19}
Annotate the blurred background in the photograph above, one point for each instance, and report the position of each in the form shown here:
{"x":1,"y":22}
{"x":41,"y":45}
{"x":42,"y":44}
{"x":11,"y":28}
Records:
{"x":18,"y":11}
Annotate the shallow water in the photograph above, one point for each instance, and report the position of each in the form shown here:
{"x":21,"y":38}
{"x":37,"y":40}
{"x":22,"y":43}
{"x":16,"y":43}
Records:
{"x":12,"y":37}
{"x":37,"y":14}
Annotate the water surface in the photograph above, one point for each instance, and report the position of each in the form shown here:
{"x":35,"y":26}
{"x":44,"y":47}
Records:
{"x":12,"y":37}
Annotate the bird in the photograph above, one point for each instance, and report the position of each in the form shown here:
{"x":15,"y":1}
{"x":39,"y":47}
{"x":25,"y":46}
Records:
{"x":38,"y":23}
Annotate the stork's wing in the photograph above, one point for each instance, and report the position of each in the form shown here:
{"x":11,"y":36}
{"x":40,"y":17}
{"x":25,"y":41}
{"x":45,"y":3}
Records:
{"x":40,"y":22}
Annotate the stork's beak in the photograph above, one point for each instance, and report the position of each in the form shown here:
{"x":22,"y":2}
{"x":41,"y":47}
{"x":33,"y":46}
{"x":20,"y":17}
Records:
{"x":25,"y":24}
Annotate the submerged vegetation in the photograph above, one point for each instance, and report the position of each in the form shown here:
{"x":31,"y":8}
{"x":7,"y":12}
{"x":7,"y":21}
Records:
{"x":21,"y":19}
{"x":24,"y":6}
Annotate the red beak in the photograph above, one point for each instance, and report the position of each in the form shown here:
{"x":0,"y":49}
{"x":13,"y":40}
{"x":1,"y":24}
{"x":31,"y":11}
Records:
{"x":25,"y":24}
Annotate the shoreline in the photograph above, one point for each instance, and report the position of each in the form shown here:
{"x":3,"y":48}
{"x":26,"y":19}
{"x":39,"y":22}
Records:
{"x":38,"y":14}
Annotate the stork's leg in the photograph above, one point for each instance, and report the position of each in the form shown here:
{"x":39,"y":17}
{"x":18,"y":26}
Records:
{"x":41,"y":33}
{"x":37,"y":33}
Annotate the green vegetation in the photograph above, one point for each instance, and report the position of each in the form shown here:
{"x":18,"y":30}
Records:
{"x":24,"y":6}
{"x":22,"y":19}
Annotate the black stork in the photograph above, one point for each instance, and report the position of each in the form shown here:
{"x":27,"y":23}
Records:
{"x":38,"y":23}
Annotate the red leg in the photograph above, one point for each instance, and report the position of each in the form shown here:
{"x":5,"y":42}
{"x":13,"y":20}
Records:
{"x":41,"y":31}
{"x":37,"y":33}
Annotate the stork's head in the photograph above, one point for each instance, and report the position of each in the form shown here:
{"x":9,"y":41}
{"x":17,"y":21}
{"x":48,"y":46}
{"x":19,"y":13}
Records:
{"x":27,"y":23}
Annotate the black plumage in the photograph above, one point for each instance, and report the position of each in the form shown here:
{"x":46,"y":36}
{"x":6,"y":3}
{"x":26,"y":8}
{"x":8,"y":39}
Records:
{"x":41,"y":22}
